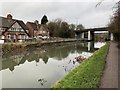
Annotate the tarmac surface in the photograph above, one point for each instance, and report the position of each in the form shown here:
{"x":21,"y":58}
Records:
{"x":111,"y":76}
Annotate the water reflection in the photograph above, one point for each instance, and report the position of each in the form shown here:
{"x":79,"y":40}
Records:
{"x":58,"y":53}
{"x":43,"y":67}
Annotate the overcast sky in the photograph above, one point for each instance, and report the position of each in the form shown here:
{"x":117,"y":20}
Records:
{"x":72,"y":11}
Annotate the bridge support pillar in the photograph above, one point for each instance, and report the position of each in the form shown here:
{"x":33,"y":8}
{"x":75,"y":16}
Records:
{"x":89,"y":36}
{"x":90,"y":46}
{"x":82,"y":35}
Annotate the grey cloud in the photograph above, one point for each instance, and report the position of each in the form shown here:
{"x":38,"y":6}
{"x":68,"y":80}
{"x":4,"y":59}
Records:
{"x":73,"y":12}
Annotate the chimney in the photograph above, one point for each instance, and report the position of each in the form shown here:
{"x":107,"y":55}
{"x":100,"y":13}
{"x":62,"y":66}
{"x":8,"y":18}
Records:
{"x":9,"y":16}
{"x":36,"y":22}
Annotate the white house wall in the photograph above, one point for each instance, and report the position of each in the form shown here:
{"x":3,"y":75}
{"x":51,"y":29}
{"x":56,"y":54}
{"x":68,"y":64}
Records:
{"x":16,"y":25}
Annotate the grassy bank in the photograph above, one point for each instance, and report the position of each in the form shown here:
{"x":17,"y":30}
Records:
{"x":88,"y":74}
{"x":12,"y":48}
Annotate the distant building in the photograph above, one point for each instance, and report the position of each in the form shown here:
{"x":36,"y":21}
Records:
{"x":38,"y":31}
{"x":12,"y":30}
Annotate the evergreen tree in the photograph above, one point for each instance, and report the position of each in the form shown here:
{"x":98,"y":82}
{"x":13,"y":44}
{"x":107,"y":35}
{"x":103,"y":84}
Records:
{"x":44,"y":20}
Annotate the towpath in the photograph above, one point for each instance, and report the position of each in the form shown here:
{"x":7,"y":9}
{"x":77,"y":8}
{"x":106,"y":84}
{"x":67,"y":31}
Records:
{"x":111,"y":72}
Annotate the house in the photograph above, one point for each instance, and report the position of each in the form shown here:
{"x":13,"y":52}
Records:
{"x":38,"y":31}
{"x":12,"y":30}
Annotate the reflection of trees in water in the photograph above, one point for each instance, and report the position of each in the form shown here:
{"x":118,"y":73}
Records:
{"x":63,"y":51}
{"x":8,"y":64}
{"x":35,"y":55}
{"x":12,"y":61}
{"x":45,"y":59}
{"x":59,"y":53}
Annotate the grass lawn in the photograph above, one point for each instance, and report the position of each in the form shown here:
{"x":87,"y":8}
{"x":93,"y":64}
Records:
{"x":87,"y":74}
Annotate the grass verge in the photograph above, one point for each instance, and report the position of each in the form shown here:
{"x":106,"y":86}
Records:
{"x":88,"y":74}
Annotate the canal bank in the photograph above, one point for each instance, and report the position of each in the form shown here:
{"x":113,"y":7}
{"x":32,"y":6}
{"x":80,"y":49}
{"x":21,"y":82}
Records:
{"x":88,"y":74}
{"x":19,"y":47}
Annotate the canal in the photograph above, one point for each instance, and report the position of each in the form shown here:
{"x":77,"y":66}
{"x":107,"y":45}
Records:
{"x":36,"y":68}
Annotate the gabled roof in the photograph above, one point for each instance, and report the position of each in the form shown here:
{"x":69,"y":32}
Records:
{"x":22,"y":24}
{"x":6,"y":23}
{"x":34,"y":25}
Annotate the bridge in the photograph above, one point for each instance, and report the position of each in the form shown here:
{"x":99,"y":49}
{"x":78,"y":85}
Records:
{"x":90,"y":33}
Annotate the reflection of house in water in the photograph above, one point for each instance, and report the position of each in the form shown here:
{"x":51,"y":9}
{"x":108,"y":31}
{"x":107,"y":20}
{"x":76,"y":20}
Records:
{"x":17,"y":58}
{"x":12,"y":61}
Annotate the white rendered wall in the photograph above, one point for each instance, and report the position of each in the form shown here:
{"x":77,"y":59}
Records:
{"x":89,"y":35}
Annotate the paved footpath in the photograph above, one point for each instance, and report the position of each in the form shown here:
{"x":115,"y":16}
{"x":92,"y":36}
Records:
{"x":110,"y":73}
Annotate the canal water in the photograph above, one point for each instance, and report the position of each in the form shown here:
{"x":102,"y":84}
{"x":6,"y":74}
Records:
{"x":36,"y":68}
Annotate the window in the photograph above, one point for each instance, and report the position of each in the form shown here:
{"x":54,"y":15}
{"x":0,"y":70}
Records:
{"x":21,"y":36}
{"x":12,"y":29}
{"x":11,"y":36}
{"x":15,"y":29}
